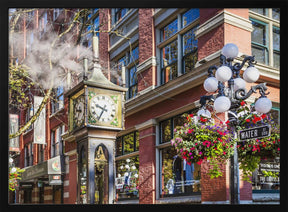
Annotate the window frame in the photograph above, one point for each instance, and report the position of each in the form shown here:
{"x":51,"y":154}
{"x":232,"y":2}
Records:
{"x":178,"y":37}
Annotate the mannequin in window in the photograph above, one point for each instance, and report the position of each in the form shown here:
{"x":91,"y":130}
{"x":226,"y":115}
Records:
{"x":188,"y":176}
{"x":177,"y":171}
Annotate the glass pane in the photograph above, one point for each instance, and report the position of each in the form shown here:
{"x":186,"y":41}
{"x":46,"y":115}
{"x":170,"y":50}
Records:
{"x":169,"y":73}
{"x":259,"y":54}
{"x":170,"y":29}
{"x":132,"y":91}
{"x":276,"y":38}
{"x":137,"y":141}
{"x":118,"y":146}
{"x":190,"y":16}
{"x":276,"y":13}
{"x":133,"y":76}
{"x":165,"y":131}
{"x":259,"y":33}
{"x":276,"y":58}
{"x":127,"y":178}
{"x":260,"y":182}
{"x":134,"y":55}
{"x":189,"y":42}
{"x":128,"y":142}
{"x":178,"y":177}
{"x":170,"y":53}
{"x":261,"y":11}
{"x":178,"y":121}
{"x":190,"y":61}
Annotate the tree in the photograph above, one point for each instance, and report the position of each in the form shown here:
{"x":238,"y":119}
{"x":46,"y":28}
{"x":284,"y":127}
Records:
{"x":54,"y":57}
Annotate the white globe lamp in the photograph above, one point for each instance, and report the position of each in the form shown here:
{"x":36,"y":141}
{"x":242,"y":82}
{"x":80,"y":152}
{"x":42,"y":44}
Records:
{"x":204,"y":113}
{"x":223,"y":73}
{"x":230,"y":51}
{"x":239,"y":83}
{"x":251,"y":74}
{"x":263,"y":105}
{"x":222,"y":104}
{"x":211,"y":84}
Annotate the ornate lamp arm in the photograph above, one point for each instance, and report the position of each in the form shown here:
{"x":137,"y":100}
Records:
{"x":251,"y":61}
{"x":242,"y":95}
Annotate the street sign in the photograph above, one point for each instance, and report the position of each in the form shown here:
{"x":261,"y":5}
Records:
{"x":256,"y":132}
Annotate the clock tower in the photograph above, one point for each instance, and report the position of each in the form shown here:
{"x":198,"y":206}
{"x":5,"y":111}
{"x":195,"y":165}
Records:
{"x":96,"y":108}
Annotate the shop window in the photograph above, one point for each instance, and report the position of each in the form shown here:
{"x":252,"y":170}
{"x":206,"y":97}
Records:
{"x":127,"y":166}
{"x":83,"y":176}
{"x":127,"y":144}
{"x":177,"y":176}
{"x":127,"y":178}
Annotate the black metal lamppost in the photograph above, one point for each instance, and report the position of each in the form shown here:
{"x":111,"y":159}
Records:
{"x":231,"y":92}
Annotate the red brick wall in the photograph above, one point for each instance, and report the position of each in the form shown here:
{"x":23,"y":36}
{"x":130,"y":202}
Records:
{"x":146,"y":47}
{"x":147,"y":165}
{"x":206,"y":14}
{"x":104,"y":20}
{"x":72,"y":179}
{"x":211,"y":42}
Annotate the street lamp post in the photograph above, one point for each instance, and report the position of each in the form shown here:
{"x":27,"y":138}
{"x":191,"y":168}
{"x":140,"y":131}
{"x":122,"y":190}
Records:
{"x":231,"y":91}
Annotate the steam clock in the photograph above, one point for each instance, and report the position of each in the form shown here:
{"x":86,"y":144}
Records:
{"x":95,"y":117}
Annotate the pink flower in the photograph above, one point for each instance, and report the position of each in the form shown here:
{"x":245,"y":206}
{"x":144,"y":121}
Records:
{"x":200,"y":153}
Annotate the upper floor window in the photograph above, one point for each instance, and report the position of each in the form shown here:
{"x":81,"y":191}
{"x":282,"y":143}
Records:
{"x":56,"y":141}
{"x":93,"y":27}
{"x":178,"y":47}
{"x":265,"y":36}
{"x":120,"y":13}
{"x":28,"y":154}
{"x":130,"y":62}
{"x":57,"y":101}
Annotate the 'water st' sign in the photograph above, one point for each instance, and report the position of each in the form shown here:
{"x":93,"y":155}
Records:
{"x":257,"y":132}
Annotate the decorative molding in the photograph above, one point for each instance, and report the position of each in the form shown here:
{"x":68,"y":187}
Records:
{"x":224,"y":17}
{"x":146,"y":124}
{"x":146,"y":64}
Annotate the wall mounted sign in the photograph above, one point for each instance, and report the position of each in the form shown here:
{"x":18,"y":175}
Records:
{"x":13,"y":128}
{"x":257,"y":132}
{"x":54,"y":165}
{"x":39,"y":124}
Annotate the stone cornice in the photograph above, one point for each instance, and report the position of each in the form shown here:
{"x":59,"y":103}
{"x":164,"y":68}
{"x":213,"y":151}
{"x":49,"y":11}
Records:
{"x":146,"y":64}
{"x":223,"y":17}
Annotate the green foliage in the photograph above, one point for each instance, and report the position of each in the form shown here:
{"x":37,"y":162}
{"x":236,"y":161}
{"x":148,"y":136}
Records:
{"x":200,"y":139}
{"x":251,"y":151}
{"x":14,"y":177}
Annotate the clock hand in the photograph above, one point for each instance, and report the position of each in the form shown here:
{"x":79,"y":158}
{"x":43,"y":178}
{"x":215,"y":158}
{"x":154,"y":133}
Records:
{"x":103,"y":109}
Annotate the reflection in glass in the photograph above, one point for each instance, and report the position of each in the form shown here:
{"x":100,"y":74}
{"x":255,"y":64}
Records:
{"x":178,"y":177}
{"x":127,"y":178}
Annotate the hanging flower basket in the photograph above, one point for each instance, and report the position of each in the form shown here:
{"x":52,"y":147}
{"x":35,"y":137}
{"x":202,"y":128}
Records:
{"x":201,"y":139}
{"x":250,"y":152}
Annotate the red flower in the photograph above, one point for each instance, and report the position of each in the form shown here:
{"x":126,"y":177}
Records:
{"x":190,"y":131}
{"x":242,"y":103}
{"x":227,"y":122}
{"x":191,"y":115}
{"x":263,"y":116}
{"x":247,"y":120}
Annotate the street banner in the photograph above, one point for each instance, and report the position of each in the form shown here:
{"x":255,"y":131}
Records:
{"x":39,"y":124}
{"x":13,"y":128}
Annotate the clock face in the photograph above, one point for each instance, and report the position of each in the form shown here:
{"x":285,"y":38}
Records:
{"x":79,"y":111}
{"x":102,"y":108}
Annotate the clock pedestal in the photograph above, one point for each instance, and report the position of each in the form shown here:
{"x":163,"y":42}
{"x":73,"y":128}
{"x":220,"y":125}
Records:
{"x":96,"y":108}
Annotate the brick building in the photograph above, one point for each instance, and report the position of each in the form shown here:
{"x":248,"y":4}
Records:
{"x":165,"y":61}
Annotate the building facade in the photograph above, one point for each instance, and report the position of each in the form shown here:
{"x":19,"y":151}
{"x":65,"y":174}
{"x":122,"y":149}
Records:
{"x":161,"y":57}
